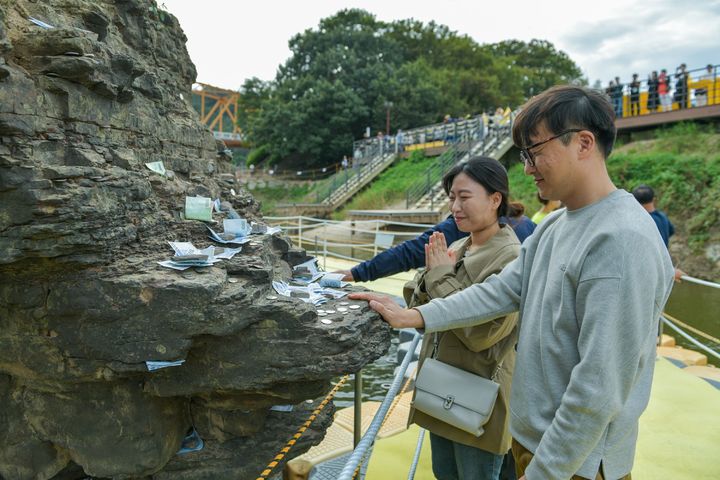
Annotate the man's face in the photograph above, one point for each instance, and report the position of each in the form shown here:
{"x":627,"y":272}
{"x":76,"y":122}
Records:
{"x":554,"y":171}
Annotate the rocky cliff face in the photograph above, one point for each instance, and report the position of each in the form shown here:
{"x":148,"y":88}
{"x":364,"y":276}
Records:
{"x":83,"y":304}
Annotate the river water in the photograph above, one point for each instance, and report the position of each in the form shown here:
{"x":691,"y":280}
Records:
{"x":696,"y":305}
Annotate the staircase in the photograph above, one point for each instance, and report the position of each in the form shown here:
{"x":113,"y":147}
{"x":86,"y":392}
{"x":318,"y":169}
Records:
{"x":428,"y":193}
{"x":341,"y":187}
{"x":354,"y":180}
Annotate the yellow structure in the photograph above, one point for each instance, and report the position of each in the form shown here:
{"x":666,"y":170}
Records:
{"x":218,"y":110}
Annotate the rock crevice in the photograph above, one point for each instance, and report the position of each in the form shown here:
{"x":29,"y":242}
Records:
{"x":84,"y":304}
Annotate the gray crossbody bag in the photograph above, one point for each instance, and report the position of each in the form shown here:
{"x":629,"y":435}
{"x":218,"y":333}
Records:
{"x":454,"y":396}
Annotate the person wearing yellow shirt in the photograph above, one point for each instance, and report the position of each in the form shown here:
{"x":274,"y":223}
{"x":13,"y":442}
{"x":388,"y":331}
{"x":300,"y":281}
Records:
{"x":548,"y":207}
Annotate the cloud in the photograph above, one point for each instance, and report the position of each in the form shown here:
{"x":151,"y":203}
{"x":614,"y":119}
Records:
{"x":663,"y":35}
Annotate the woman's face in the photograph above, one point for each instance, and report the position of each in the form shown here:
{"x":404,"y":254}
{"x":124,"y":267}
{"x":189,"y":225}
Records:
{"x":471,"y":205}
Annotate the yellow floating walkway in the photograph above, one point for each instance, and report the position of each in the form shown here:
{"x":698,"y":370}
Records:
{"x":679,"y":430}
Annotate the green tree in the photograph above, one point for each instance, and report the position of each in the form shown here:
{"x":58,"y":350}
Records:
{"x":342,"y":74}
{"x":537,"y":64}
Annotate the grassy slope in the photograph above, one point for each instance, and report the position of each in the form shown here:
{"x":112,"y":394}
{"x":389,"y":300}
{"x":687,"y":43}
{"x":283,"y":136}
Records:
{"x":682,"y":164}
{"x":390,"y":187}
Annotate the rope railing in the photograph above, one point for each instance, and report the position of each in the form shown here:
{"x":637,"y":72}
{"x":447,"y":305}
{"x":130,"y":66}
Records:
{"x":291,"y":443}
{"x":692,"y":329}
{"x":362,"y":448}
{"x":690,"y":339}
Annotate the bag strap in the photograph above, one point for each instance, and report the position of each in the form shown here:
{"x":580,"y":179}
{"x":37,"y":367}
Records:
{"x":510,"y":345}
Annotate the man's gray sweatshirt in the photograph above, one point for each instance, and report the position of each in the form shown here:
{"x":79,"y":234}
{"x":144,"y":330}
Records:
{"x":590,"y":285}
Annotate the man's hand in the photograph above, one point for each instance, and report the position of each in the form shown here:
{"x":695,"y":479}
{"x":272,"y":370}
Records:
{"x":391,"y":312}
{"x":678,"y":274}
{"x":347,"y":275}
{"x":437,"y":253}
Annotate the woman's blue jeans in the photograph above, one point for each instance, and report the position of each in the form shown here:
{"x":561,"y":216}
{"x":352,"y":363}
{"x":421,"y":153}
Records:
{"x":455,"y":461}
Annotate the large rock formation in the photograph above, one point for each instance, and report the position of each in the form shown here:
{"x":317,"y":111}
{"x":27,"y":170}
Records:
{"x":83,"y":303}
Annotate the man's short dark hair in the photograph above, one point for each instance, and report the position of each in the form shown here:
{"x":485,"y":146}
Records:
{"x":643,"y":194}
{"x":564,"y":107}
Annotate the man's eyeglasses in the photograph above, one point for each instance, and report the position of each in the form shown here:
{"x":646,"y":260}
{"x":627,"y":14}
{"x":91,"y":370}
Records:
{"x":527,"y":156}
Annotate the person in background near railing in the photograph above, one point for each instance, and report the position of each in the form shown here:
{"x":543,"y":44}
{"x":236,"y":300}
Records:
{"x":653,"y":100}
{"x":617,"y":97}
{"x":590,"y":285}
{"x":516,"y":218}
{"x":498,"y":118}
{"x":548,"y":206}
{"x":411,"y":253}
{"x":701,"y":94}
{"x":682,"y":77}
{"x":635,"y":95}
{"x":645,"y":195}
{"x":664,"y":91}
{"x":399,"y":141}
{"x":344,"y":162}
{"x":478,"y":193}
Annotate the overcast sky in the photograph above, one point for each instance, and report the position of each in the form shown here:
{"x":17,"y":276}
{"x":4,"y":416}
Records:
{"x":231,"y":40}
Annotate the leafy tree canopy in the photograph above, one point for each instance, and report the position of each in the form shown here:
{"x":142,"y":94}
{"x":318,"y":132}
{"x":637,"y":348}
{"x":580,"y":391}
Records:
{"x":342,"y":75}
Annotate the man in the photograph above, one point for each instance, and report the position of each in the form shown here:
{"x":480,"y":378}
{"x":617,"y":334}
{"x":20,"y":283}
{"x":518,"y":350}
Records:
{"x":618,"y":97}
{"x":645,"y":196}
{"x":590,"y":285}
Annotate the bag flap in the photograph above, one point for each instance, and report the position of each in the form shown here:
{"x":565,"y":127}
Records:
{"x":469,"y":390}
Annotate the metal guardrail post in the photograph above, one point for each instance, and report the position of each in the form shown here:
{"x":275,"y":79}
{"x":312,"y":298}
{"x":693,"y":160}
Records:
{"x":357,"y":410}
{"x":325,"y":253}
{"x":300,"y":232}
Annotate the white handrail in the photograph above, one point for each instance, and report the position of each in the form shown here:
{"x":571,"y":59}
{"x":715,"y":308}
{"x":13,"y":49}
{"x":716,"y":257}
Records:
{"x":416,"y":457}
{"x":700,"y":282}
{"x":362,"y":448}
{"x":325,"y":220}
{"x":689,"y":338}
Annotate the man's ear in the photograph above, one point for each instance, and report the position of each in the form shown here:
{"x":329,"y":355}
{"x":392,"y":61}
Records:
{"x":586,"y":142}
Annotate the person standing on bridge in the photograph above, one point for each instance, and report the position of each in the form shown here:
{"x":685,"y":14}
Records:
{"x":652,"y":100}
{"x":645,"y":196}
{"x":635,"y":95}
{"x":590,"y":285}
{"x":664,"y":91}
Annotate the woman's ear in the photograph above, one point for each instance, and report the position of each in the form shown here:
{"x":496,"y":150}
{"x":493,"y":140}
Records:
{"x":496,"y":200}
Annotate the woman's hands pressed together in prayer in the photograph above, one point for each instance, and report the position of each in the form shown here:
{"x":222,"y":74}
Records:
{"x":437,"y":253}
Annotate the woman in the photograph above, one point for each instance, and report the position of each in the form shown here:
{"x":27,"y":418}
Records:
{"x":664,"y":91}
{"x":478,"y":192}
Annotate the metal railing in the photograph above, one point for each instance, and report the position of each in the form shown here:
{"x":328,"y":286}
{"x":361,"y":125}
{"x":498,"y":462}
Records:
{"x":669,"y":323}
{"x":698,"y":281}
{"x":456,"y":131}
{"x":312,"y":234}
{"x":428,"y":184}
{"x":433,"y":174}
{"x":694,"y":88}
{"x":367,"y":440}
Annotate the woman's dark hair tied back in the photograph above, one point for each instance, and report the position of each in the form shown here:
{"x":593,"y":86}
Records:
{"x":486,"y":171}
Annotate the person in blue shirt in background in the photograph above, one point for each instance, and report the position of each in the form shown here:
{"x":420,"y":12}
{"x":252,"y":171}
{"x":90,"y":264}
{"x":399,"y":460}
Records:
{"x":411,"y":253}
{"x":645,"y":195}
